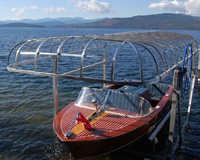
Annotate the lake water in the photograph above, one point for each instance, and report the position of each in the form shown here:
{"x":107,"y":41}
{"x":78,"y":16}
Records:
{"x":26,"y":103}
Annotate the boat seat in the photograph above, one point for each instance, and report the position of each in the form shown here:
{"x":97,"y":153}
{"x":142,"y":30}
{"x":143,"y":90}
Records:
{"x":130,"y":102}
{"x":154,"y":92}
{"x":143,"y":92}
{"x":124,"y":101}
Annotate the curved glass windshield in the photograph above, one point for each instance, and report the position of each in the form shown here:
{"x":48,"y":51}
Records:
{"x":100,"y":99}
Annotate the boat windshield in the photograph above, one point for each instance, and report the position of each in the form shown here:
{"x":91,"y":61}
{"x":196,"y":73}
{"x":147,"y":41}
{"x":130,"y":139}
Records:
{"x":108,"y":100}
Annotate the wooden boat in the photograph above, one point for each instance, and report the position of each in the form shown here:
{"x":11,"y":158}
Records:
{"x":103,"y":120}
{"x":122,"y":118}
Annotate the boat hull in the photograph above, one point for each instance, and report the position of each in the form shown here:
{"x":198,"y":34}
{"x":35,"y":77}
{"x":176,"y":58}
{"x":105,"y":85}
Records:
{"x":93,"y":148}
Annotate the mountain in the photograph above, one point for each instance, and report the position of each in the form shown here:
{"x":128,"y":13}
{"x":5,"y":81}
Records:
{"x":158,"y":21}
{"x":53,"y":21}
{"x":20,"y":25}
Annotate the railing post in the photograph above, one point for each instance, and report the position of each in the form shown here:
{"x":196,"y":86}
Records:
{"x":55,"y":84}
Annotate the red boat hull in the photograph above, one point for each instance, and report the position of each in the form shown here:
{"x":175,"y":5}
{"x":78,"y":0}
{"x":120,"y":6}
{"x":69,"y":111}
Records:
{"x":97,"y":144}
{"x":93,"y":148}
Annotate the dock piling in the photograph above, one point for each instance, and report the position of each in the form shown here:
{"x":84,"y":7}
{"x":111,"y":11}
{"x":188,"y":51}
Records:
{"x":175,"y":104}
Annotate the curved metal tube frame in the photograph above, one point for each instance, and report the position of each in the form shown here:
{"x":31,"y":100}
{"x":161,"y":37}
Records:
{"x":162,"y":43}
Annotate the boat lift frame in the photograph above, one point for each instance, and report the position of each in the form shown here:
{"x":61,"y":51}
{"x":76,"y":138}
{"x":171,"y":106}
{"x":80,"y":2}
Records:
{"x":169,"y":49}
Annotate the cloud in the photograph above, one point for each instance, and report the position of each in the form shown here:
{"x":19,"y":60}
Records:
{"x":192,"y":7}
{"x":55,"y":10}
{"x":21,"y":11}
{"x":93,"y":6}
{"x":186,"y":7}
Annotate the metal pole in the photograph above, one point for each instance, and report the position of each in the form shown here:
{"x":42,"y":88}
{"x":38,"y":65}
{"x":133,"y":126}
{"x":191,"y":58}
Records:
{"x":199,"y":68}
{"x":104,"y":65}
{"x":192,"y":83}
{"x":190,"y":101}
{"x":55,"y":85}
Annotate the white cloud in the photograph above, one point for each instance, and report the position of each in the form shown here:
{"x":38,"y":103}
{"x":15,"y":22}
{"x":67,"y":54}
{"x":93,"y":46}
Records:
{"x":17,"y":11}
{"x":21,"y":11}
{"x":32,"y":8}
{"x":55,"y":10}
{"x":93,"y":6}
{"x":192,"y":7}
{"x":186,"y":7}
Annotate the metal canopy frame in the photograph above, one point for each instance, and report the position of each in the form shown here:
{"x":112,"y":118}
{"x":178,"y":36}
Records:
{"x":168,"y":47}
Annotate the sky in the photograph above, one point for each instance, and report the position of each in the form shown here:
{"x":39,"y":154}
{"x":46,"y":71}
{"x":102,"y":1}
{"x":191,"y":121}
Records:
{"x":93,"y":9}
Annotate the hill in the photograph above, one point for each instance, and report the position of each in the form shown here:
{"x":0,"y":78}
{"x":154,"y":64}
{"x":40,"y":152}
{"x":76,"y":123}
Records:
{"x":159,"y":21}
{"x":20,"y":25}
{"x":48,"y":22}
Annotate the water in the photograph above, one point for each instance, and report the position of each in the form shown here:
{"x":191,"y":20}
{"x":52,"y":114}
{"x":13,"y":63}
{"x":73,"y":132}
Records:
{"x":26,"y":103}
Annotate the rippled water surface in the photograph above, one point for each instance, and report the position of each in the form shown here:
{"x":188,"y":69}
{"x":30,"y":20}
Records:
{"x":26,"y":103}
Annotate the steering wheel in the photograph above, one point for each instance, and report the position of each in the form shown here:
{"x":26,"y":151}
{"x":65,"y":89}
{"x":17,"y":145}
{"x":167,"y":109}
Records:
{"x":186,"y":71}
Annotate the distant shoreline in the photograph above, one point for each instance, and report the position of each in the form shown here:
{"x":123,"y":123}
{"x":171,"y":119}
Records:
{"x":21,"y":25}
{"x":157,"y":21}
